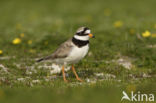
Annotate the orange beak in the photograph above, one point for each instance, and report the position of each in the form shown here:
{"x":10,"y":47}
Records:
{"x":91,"y":36}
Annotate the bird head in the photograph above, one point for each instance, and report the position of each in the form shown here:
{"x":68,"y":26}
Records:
{"x":83,"y":33}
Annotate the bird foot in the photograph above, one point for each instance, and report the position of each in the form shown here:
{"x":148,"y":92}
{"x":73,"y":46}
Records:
{"x":66,"y":81}
{"x":79,"y":79}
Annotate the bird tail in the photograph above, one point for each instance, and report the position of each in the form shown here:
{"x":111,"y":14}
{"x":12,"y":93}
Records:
{"x":39,"y":60}
{"x":44,"y":58}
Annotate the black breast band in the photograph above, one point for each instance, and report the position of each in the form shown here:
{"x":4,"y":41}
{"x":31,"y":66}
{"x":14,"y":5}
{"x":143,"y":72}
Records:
{"x":80,"y":43}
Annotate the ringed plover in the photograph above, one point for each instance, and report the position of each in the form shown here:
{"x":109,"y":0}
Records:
{"x":71,"y":51}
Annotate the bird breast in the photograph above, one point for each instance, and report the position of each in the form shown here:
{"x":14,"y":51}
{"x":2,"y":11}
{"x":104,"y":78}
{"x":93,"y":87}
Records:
{"x":77,"y":53}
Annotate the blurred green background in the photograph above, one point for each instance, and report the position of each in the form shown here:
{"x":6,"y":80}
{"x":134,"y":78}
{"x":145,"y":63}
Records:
{"x":122,"y":57}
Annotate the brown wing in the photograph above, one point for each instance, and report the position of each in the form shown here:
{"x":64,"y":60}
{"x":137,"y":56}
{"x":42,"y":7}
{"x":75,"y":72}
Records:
{"x":62,"y":52}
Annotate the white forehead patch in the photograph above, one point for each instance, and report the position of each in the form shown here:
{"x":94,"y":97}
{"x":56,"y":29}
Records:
{"x":87,"y":32}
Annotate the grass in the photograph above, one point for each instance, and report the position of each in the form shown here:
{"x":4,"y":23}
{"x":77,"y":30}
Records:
{"x":48,"y":23}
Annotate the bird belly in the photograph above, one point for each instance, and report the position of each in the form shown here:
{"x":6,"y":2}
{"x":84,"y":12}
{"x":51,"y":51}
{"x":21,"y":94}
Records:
{"x":77,"y":54}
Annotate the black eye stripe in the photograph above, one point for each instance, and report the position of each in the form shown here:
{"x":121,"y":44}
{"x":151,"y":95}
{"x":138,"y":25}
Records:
{"x":82,"y":33}
{"x":85,"y":30}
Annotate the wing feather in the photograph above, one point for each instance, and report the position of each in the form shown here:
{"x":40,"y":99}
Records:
{"x":62,"y":52}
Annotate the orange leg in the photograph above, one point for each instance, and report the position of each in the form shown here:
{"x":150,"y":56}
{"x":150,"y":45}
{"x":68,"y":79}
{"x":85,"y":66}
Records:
{"x":77,"y":77}
{"x":63,"y":73}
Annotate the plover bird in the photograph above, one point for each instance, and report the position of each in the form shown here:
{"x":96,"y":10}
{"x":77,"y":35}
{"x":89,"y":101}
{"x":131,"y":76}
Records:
{"x":71,"y":51}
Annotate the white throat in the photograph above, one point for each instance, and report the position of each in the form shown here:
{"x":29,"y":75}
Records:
{"x":83,"y":38}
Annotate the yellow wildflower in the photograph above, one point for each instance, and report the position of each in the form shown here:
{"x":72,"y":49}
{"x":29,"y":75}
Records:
{"x":1,"y":52}
{"x":107,"y":12}
{"x":16,"y":41}
{"x":22,"y":35}
{"x":146,"y":34}
{"x":153,"y":35}
{"x":118,"y":24}
{"x":29,"y":42}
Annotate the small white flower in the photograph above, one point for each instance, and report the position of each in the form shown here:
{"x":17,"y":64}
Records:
{"x":35,"y":81}
{"x":99,"y":74}
{"x":88,"y":80}
{"x":20,"y":79}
